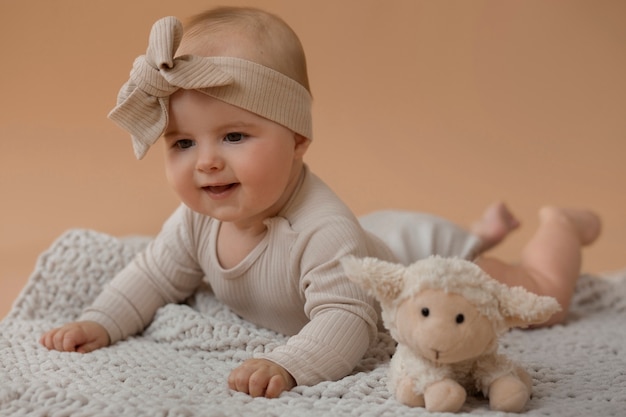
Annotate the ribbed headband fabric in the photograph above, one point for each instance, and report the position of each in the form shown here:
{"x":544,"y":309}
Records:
{"x":142,"y":103}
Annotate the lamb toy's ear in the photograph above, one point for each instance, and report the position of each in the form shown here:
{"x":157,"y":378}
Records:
{"x":521,"y":308}
{"x":383,"y":279}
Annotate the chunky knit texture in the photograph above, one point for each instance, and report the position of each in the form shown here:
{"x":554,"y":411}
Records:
{"x":179,"y":365}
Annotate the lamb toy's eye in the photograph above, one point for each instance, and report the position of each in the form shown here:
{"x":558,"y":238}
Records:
{"x":425,"y":312}
{"x":460,"y":318}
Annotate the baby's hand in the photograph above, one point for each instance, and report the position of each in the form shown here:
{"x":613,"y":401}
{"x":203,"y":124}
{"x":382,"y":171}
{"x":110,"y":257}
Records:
{"x":80,"y":336}
{"x":261,"y":378}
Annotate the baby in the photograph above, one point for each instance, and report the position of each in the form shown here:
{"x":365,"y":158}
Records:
{"x":230,"y":97}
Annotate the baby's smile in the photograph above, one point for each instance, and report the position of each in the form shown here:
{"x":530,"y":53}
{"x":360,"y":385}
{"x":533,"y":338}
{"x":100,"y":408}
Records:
{"x":219,"y":190}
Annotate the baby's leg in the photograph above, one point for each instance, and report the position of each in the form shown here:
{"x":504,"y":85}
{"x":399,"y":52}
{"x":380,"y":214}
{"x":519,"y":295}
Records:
{"x":551,"y":260}
{"x":495,"y":224}
{"x":412,"y":236}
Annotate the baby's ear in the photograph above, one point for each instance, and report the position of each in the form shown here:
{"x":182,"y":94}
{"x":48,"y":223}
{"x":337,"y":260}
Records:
{"x":301,"y":145}
{"x":521,"y":308}
{"x":384,"y":280}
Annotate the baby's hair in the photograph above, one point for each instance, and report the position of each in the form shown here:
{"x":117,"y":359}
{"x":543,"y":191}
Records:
{"x":271,"y":40}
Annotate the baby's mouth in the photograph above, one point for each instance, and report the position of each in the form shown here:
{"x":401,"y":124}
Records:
{"x":218,"y":189}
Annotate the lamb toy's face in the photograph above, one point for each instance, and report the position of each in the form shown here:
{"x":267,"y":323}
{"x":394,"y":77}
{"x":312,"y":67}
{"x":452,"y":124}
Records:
{"x":446,"y":308}
{"x":443,"y":327}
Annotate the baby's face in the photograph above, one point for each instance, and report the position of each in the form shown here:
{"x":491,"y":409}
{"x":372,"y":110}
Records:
{"x":228,"y":163}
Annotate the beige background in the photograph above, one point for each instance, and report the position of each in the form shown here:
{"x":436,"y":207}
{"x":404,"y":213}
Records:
{"x":440,"y":106}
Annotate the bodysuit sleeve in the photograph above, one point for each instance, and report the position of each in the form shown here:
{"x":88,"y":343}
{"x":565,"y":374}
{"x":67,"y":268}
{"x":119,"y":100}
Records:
{"x":165,"y":272}
{"x":343,"y":318}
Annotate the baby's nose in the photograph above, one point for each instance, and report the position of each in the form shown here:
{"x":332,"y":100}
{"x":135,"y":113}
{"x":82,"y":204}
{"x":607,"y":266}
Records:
{"x":209,"y":159}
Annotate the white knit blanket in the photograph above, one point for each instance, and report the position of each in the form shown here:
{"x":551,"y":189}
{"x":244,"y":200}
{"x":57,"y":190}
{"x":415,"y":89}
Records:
{"x":179,"y":365}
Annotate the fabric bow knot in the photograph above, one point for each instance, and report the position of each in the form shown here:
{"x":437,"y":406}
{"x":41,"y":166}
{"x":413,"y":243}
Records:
{"x":142,"y":103}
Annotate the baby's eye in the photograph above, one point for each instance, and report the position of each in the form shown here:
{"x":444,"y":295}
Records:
{"x":184,"y":143}
{"x":234,"y":137}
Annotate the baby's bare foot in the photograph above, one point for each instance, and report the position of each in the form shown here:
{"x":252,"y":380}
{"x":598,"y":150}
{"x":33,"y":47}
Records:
{"x":496,"y":223}
{"x":586,"y":223}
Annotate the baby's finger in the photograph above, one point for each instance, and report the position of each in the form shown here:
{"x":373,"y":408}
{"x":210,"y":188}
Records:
{"x":46,"y":339}
{"x":65,"y":340}
{"x":88,"y":347}
{"x":72,"y":339}
{"x":238,"y":379}
{"x":58,"y":340}
{"x":257,"y":384}
{"x":276,"y":386}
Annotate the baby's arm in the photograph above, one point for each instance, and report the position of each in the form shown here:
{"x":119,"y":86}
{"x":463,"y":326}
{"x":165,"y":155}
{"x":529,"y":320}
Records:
{"x":80,"y":336}
{"x":343,"y":318}
{"x":165,"y":272}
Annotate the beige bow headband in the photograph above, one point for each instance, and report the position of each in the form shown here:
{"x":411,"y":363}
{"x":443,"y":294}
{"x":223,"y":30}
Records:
{"x":142,"y":103}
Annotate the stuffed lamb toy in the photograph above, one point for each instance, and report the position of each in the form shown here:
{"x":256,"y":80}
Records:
{"x":447,"y":315}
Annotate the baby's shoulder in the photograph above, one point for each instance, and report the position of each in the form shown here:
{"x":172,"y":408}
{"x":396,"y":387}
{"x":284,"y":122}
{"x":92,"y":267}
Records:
{"x":316,"y":205}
